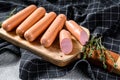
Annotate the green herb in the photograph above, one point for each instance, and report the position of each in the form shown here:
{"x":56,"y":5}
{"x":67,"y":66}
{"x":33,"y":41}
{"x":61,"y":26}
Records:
{"x":90,"y":53}
{"x":11,"y":13}
{"x":85,"y":54}
{"x":0,"y":24}
{"x":95,"y":44}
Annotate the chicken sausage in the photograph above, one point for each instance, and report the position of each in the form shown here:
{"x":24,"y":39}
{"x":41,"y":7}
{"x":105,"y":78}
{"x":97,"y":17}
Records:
{"x":65,"y":41}
{"x":77,"y":31}
{"x":16,"y":19}
{"x":51,"y":33}
{"x":38,"y":28}
{"x":30,"y":21}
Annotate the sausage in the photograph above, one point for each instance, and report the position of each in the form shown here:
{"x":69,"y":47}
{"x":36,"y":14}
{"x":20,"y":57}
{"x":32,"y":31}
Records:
{"x":95,"y":59}
{"x":65,"y":41}
{"x":49,"y":36}
{"x":38,"y":28}
{"x":16,"y":19}
{"x":30,"y":21}
{"x":77,"y":31}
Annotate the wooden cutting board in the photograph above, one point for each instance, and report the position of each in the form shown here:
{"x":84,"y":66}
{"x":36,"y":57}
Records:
{"x":51,"y":54}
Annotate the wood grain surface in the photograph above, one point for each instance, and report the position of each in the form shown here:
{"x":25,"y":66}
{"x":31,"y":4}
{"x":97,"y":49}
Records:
{"x":51,"y":54}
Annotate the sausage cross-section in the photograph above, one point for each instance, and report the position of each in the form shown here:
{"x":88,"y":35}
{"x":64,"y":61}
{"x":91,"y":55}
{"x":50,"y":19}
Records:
{"x":30,"y":21}
{"x":12,"y":22}
{"x":65,"y":41}
{"x":51,"y":33}
{"x":37,"y":29}
{"x":77,"y":31}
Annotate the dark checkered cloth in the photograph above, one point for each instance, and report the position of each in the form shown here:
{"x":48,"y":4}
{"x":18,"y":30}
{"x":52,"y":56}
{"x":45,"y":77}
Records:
{"x":99,"y":16}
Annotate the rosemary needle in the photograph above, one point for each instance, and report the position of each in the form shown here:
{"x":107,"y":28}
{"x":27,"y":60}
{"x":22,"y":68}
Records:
{"x":11,"y":13}
{"x":0,"y":24}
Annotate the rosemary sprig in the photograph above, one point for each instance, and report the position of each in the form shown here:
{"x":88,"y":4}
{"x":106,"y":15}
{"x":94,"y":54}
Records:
{"x":90,"y":53}
{"x":0,"y":24}
{"x":11,"y":13}
{"x":85,"y":54}
{"x":95,"y":44}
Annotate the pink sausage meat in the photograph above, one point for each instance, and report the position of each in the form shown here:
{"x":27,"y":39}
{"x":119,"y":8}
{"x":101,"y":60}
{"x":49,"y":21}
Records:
{"x":66,"y":44}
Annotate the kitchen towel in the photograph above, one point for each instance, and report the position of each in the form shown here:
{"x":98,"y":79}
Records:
{"x":99,"y":16}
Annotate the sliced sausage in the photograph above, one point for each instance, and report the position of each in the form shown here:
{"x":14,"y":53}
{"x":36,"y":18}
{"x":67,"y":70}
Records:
{"x":77,"y":31}
{"x":51,"y":33}
{"x":30,"y":21}
{"x":65,"y":41}
{"x":38,"y":28}
{"x":16,"y":19}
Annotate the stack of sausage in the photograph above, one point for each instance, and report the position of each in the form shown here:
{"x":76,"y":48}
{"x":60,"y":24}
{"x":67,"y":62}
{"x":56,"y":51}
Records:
{"x":31,"y":22}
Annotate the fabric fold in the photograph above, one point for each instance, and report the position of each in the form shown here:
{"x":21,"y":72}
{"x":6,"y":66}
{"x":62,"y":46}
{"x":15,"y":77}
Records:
{"x":99,"y":16}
